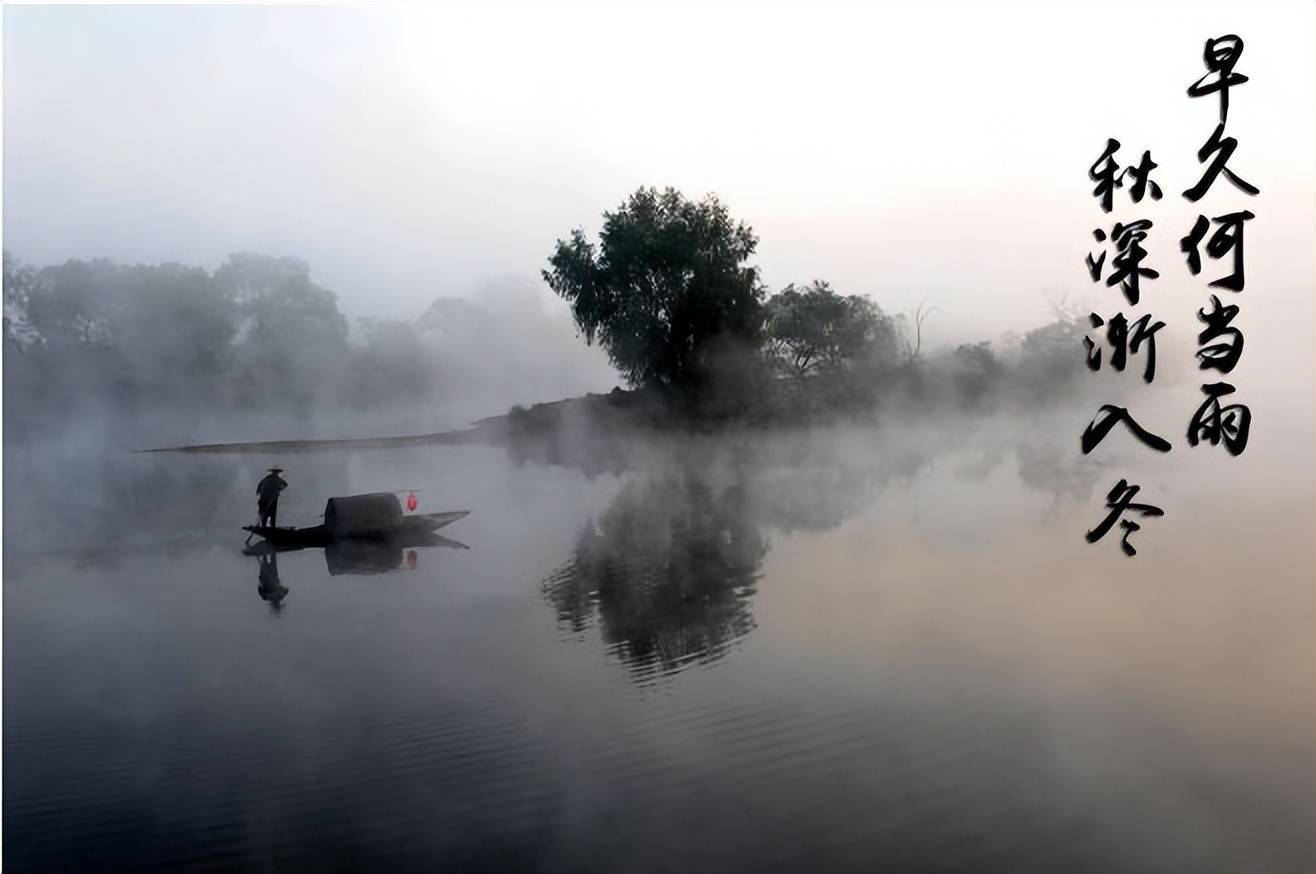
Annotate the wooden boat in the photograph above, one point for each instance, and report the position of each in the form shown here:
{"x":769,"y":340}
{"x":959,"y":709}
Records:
{"x":359,"y":517}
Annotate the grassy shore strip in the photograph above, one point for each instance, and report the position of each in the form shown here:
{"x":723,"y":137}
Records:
{"x":441,"y":438}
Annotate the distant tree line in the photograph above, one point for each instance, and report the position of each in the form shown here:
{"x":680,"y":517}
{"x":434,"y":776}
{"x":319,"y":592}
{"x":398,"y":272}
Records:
{"x":668,"y":292}
{"x":256,"y":333}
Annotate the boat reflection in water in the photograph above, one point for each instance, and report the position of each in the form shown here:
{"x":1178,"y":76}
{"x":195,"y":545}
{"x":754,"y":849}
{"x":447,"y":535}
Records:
{"x":357,"y":556}
{"x":380,"y":556}
{"x":666,"y":573}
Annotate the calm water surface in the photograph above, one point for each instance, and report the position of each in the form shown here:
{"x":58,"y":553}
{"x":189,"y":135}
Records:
{"x":798,"y":660}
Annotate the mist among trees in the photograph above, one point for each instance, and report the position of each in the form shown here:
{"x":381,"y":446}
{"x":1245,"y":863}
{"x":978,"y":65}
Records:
{"x":667,"y":291}
{"x":258,"y":335}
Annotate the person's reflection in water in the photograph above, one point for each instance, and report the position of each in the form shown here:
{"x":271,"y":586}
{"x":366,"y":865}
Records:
{"x":669,"y":569}
{"x":270,"y":589}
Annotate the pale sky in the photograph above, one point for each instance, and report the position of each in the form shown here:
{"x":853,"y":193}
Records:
{"x":898,"y":151}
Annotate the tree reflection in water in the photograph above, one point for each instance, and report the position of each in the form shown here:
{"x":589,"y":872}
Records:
{"x":666,"y":573}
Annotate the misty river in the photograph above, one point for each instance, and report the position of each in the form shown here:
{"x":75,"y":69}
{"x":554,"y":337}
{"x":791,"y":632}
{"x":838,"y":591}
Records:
{"x":831,"y":652}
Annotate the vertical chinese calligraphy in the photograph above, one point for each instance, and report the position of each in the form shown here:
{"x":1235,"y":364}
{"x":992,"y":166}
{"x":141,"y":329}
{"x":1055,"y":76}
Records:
{"x":1222,"y":235}
{"x":1126,"y":336}
{"x":1219,"y":237}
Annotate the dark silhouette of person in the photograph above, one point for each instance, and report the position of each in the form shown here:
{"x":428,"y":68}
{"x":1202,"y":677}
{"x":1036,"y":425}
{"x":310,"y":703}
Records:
{"x":267,"y":496}
{"x":270,"y":588}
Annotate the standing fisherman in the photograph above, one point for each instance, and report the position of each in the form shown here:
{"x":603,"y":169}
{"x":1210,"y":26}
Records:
{"x":267,"y":496}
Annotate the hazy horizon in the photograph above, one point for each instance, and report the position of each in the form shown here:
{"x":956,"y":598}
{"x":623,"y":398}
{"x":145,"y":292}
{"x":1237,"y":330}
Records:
{"x":411,"y":153}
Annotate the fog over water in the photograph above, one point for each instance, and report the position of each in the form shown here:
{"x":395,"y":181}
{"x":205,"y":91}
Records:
{"x":823,"y":649}
{"x":857,"y":635}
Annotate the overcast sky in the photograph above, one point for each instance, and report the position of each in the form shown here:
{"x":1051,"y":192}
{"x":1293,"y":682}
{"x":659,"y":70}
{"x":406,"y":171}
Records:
{"x":899,"y":151}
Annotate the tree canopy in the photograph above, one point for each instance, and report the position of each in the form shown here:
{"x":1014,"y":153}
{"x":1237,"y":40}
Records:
{"x":258,"y":335}
{"x":257,"y":331}
{"x":667,"y":278}
{"x":815,"y":329}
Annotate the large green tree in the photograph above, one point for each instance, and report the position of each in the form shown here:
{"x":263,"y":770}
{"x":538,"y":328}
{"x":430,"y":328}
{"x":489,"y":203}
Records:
{"x":667,"y":279}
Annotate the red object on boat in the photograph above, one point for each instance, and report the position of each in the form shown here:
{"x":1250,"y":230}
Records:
{"x":411,"y":502}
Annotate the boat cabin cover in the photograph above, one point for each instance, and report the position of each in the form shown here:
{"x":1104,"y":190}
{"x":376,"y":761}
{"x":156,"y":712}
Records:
{"x":376,"y":513}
